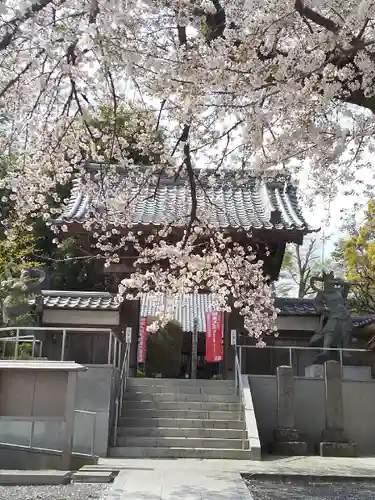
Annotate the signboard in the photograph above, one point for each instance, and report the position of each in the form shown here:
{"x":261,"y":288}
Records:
{"x":233,"y":337}
{"x":142,"y":340}
{"x":214,"y":337}
{"x":128,"y":335}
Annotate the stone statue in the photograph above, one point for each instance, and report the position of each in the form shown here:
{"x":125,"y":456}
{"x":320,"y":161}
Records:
{"x":335,"y":321}
{"x":16,"y":303}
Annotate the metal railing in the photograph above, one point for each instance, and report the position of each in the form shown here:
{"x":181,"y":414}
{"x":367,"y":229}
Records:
{"x":33,"y":420}
{"x":93,"y":435}
{"x":240,"y":391}
{"x":292,"y":353}
{"x":114,"y":355}
{"x":120,"y":391}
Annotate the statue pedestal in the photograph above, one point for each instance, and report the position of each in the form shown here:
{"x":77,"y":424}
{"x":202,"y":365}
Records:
{"x":350,"y":372}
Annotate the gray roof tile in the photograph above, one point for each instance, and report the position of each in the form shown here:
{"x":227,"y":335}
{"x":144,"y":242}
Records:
{"x":186,"y":307}
{"x":305,"y":307}
{"x":80,"y":300}
{"x":254,"y":205}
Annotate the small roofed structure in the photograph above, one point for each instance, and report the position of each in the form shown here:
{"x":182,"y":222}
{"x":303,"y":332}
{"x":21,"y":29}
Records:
{"x":258,"y":212}
{"x":297,"y":321}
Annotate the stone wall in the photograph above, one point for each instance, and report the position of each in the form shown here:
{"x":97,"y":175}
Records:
{"x":358,"y":408}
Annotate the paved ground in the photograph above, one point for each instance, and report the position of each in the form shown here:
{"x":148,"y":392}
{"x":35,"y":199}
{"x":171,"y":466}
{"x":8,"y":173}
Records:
{"x":272,"y":490}
{"x":220,"y":479}
{"x":178,"y":485}
{"x":318,"y":466}
{"x":66,"y":492}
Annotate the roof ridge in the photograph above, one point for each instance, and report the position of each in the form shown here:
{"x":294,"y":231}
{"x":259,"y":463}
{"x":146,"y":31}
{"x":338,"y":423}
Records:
{"x":77,"y":293}
{"x":276,"y":177}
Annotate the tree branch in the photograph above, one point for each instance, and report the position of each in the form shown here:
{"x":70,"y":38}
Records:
{"x":315,"y":17}
{"x":16,"y":22}
{"x":94,"y":11}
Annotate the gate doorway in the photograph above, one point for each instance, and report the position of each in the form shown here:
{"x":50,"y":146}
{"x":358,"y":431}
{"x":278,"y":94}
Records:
{"x":204,"y":370}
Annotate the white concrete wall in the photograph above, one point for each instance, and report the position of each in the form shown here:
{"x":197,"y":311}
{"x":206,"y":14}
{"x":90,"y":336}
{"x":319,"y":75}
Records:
{"x":290,"y":323}
{"x":358,"y":402}
{"x":95,"y":392}
{"x":87,"y":318}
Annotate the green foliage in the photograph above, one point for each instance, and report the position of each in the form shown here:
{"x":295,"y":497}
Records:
{"x":68,"y":267}
{"x":24,"y":351}
{"x":357,"y":255}
{"x":164,"y":349}
{"x":123,"y":131}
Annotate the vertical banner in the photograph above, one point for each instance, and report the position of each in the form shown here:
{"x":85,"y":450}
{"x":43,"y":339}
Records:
{"x":142,"y":340}
{"x":214,"y":337}
{"x":194,"y":349}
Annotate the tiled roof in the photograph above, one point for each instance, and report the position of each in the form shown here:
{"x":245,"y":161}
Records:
{"x":80,"y":300}
{"x":251,"y":205}
{"x":295,"y":307}
{"x":186,"y":308}
{"x":305,"y":307}
{"x":360,"y":321}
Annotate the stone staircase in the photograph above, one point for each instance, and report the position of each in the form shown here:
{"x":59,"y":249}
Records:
{"x":177,"y":418}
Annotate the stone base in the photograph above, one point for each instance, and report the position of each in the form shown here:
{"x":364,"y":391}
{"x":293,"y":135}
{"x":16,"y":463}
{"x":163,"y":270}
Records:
{"x":330,"y":449}
{"x":286,"y":435}
{"x":291,"y":448}
{"x":289,"y":442}
{"x":350,"y":372}
{"x":333,"y":436}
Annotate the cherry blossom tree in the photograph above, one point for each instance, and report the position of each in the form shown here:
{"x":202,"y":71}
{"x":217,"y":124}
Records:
{"x":258,"y":86}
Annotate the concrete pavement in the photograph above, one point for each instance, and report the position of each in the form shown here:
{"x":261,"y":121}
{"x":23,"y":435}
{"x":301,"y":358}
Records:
{"x":147,"y":479}
{"x":178,"y":485}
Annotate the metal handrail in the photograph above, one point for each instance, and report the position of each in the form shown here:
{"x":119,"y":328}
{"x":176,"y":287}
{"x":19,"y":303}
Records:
{"x":239,"y":389}
{"x":120,"y":391}
{"x":54,"y":329}
{"x":114,"y":341}
{"x":290,"y":350}
{"x":301,"y":347}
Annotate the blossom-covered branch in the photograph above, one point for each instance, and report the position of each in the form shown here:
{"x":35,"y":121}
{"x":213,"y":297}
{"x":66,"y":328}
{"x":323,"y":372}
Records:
{"x":258,"y":87}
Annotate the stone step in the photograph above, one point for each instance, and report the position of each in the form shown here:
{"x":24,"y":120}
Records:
{"x":189,"y":432}
{"x":93,"y":476}
{"x":142,"y":452}
{"x":175,"y":396}
{"x":33,"y":477}
{"x":178,"y":382}
{"x":184,"y":423}
{"x":182,"y":414}
{"x":183,"y":389}
{"x":181,"y":442}
{"x":180,"y":405}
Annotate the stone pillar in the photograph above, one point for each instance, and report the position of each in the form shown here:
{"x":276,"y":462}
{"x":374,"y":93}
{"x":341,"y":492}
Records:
{"x":285,"y":397}
{"x":70,"y":396}
{"x":287,"y":439}
{"x":334,"y":442}
{"x":333,"y":397}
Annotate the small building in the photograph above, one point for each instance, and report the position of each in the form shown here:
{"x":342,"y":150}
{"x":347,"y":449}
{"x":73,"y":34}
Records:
{"x":263,"y":215}
{"x":297,"y":321}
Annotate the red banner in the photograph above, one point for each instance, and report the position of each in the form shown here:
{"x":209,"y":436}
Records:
{"x":142,"y":340}
{"x":214,"y":337}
